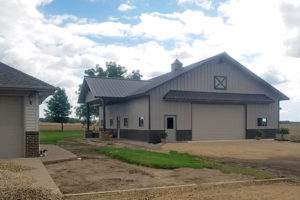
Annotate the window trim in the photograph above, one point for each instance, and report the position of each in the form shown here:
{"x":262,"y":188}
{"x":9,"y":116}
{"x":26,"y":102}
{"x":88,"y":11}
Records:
{"x":216,"y":87}
{"x":264,"y":124}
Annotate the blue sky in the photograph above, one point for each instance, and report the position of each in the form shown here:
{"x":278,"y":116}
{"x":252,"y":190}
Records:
{"x":56,"y":40}
{"x":107,"y":10}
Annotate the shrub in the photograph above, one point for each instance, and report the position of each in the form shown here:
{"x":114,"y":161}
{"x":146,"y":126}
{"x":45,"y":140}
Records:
{"x":283,"y":131}
{"x":259,"y":133}
{"x":164,"y":135}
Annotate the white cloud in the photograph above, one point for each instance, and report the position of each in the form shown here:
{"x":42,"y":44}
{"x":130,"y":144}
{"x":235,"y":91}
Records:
{"x":57,"y":49}
{"x":126,"y":7}
{"x":206,"y":4}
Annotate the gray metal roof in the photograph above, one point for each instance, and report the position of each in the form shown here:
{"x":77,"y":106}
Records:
{"x":217,"y":97}
{"x":121,"y":88}
{"x":108,"y":87}
{"x":11,"y":78}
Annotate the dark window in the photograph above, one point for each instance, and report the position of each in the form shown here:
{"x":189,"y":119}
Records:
{"x":170,"y":123}
{"x":126,"y":122}
{"x":220,"y":82}
{"x":262,"y":121}
{"x":111,"y":122}
{"x":141,"y":121}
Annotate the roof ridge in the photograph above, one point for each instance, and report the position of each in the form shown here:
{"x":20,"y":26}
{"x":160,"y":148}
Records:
{"x":115,"y":78}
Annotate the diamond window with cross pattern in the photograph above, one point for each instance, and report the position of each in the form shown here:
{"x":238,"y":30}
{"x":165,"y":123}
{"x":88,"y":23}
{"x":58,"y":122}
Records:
{"x":220,"y":82}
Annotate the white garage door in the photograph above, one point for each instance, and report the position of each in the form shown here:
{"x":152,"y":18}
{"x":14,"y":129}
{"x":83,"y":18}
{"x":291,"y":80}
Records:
{"x":218,"y":122}
{"x":11,"y":127}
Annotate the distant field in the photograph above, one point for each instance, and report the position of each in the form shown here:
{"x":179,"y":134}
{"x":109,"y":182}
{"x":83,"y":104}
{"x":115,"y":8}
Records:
{"x":294,"y":129}
{"x":46,"y":126}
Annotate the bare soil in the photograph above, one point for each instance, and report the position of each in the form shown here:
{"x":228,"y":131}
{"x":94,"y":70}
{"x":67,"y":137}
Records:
{"x":282,"y":158}
{"x":105,"y":174}
{"x":275,"y":191}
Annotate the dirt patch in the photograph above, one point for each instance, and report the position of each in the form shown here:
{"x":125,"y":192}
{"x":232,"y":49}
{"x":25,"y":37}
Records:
{"x":275,"y":191}
{"x":248,"y":149}
{"x":104,"y":174}
{"x":282,"y":158}
{"x":294,"y":131}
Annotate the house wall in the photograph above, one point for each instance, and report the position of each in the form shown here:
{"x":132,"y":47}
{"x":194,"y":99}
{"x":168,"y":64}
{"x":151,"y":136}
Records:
{"x":89,"y":97}
{"x":31,"y":111}
{"x":131,"y":109}
{"x":202,"y":79}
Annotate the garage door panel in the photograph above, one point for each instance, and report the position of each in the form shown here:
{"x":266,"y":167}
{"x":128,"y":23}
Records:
{"x":11,"y":127}
{"x":218,"y":122}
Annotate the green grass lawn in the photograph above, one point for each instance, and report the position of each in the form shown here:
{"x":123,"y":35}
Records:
{"x":174,"y":160}
{"x":53,"y":137}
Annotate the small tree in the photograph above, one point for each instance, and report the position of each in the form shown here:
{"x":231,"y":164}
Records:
{"x":58,"y":107}
{"x":135,"y":75}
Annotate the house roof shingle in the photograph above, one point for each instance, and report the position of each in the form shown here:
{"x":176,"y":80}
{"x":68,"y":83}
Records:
{"x":11,"y":78}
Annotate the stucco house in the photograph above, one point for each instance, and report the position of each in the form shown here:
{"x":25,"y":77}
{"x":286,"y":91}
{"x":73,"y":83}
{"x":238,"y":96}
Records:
{"x":214,"y":99}
{"x":20,"y":97}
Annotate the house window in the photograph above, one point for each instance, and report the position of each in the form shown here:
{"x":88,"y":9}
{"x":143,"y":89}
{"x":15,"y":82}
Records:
{"x":220,"y":82}
{"x":126,"y":122}
{"x":141,"y":121}
{"x":101,"y":123}
{"x":111,"y":122}
{"x":262,"y":121}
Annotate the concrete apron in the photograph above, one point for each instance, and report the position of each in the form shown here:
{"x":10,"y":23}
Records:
{"x":39,"y":173}
{"x":56,"y":154}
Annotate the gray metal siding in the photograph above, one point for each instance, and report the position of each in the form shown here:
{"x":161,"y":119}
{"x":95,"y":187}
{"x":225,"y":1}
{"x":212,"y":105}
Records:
{"x":132,"y":110}
{"x":89,"y":97}
{"x":201,"y":79}
{"x":270,"y":111}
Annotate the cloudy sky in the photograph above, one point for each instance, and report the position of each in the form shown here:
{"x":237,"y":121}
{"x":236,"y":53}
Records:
{"x":56,"y":40}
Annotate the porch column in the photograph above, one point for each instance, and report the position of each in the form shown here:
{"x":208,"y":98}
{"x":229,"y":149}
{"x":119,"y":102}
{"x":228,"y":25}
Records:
{"x":88,"y":116}
{"x":103,"y":114}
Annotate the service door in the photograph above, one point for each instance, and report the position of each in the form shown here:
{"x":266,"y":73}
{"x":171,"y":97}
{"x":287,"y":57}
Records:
{"x":170,"y":127}
{"x":218,"y":122}
{"x":11,"y":127}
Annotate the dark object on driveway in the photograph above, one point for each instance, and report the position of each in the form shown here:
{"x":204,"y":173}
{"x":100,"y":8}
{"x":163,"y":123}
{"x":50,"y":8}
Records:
{"x":43,"y":152}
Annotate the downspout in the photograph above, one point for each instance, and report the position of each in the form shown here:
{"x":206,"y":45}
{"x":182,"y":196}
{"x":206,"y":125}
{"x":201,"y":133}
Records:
{"x":149,"y":113}
{"x":149,"y":118}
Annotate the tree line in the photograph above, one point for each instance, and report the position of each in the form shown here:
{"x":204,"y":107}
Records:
{"x":59,"y":108}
